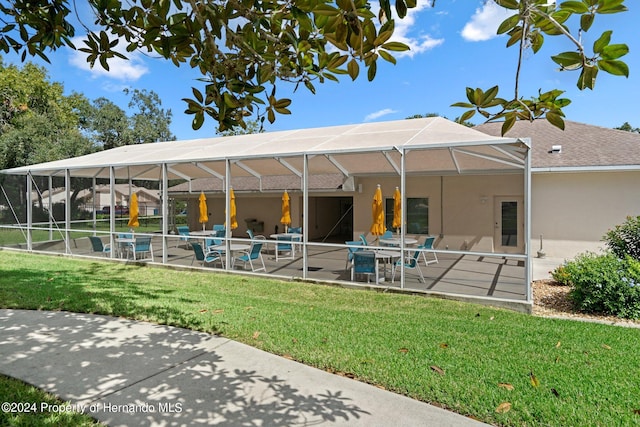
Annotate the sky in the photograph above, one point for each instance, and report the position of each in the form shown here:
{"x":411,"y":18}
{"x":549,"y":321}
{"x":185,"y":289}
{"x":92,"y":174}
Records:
{"x":453,"y":46}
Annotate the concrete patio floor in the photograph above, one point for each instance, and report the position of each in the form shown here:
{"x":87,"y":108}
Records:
{"x":491,"y":280}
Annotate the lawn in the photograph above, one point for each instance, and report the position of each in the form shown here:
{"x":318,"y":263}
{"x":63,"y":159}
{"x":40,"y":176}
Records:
{"x":498,"y":366}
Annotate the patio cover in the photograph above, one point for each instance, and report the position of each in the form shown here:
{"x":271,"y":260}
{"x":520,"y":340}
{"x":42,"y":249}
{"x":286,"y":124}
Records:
{"x":436,"y":146}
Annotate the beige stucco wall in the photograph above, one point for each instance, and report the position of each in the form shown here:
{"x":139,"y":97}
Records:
{"x":572,"y":211}
{"x":461,"y":215}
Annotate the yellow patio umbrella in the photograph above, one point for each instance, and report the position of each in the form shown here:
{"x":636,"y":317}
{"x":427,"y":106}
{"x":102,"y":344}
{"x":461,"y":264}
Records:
{"x":397,"y":209}
{"x":204,"y":214}
{"x":286,"y":210}
{"x":232,"y":202}
{"x":377,"y":227}
{"x":133,"y":211}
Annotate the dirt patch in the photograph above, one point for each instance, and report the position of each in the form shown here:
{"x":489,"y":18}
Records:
{"x":552,"y":300}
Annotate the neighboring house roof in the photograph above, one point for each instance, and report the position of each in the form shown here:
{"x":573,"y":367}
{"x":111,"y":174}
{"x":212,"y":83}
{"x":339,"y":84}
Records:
{"x":583,"y":146}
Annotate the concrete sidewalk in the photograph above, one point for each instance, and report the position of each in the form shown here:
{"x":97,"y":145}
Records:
{"x":127,"y":373}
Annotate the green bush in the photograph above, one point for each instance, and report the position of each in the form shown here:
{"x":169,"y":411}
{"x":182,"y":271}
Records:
{"x":624,"y":239}
{"x":603,"y":284}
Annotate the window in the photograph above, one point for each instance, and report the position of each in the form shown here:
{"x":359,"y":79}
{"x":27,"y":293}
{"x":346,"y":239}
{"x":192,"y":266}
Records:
{"x":417,"y":215}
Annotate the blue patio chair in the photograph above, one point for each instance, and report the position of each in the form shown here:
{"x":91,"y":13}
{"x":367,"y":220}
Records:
{"x":283,"y":244}
{"x":206,"y":258}
{"x":363,"y":239}
{"x":353,"y":246}
{"x":143,"y":246}
{"x":125,"y":247}
{"x":251,"y":255}
{"x":410,"y":263}
{"x":386,"y":235}
{"x":428,"y":244}
{"x":183,"y":232}
{"x":219,"y":230}
{"x":364,"y":262}
{"x":212,"y":241}
{"x":294,"y":230}
{"x":98,"y":246}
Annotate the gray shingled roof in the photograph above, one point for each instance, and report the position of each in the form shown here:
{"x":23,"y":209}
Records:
{"x":583,"y":145}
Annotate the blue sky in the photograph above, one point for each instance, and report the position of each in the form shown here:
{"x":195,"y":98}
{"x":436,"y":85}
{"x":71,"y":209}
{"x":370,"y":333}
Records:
{"x":452,"y":46}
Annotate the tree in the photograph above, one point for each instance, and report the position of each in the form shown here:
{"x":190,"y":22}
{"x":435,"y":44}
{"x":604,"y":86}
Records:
{"x":527,"y":28}
{"x":245,"y":49}
{"x":149,"y":123}
{"x":422,"y":116}
{"x":38,"y":123}
{"x":109,"y":126}
{"x":627,"y":127}
{"x":252,"y":126}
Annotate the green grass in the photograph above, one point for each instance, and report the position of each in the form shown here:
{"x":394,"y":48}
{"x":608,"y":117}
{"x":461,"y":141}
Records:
{"x":588,"y":373}
{"x":36,"y":408}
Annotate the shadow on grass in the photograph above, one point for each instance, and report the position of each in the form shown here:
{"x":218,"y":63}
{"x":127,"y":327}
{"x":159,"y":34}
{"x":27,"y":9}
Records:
{"x":95,"y":288}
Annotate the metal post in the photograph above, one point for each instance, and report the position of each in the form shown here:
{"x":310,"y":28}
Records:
{"x":67,"y":210}
{"x":527,"y":221}
{"x":29,"y":212}
{"x":165,"y":212}
{"x":112,"y":209}
{"x":305,"y":216}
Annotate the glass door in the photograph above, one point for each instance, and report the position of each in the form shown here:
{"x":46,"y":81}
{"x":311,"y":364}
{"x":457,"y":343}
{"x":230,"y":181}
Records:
{"x":509,"y":225}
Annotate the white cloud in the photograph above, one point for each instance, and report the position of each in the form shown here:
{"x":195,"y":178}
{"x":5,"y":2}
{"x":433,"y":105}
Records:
{"x":485,"y":22}
{"x":378,"y":114}
{"x":119,"y":69}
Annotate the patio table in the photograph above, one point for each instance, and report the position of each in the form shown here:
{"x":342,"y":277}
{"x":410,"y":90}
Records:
{"x":385,"y":257}
{"x":124,"y":245}
{"x":395,"y":241}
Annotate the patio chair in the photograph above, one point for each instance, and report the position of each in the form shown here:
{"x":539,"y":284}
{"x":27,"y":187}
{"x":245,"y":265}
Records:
{"x":183,"y":230}
{"x":428,"y":244}
{"x":206,"y":258}
{"x":212,"y":241}
{"x":364,"y":262}
{"x":257,"y":237}
{"x":219,"y":229}
{"x":363,"y":239}
{"x":283,"y":244}
{"x":410,"y":263}
{"x":98,"y":246}
{"x":251,"y":255}
{"x":294,"y":230}
{"x":387,"y":235}
{"x":143,"y":246}
{"x":124,"y":248}
{"x":353,"y":246}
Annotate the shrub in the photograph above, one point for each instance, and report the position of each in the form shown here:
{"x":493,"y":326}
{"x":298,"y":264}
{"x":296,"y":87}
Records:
{"x":624,"y":239}
{"x":603,"y":284}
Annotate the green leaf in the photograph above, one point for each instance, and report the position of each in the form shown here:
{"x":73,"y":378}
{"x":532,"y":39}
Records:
{"x":509,"y":4}
{"x":466,"y":116}
{"x":587,"y":79}
{"x":371,"y":72}
{"x":395,"y":46}
{"x":198,"y":120}
{"x":387,"y":56}
{"x":401,"y":8}
{"x":586,"y":21}
{"x":555,"y":119}
{"x":574,"y":7}
{"x":568,"y":60}
{"x":353,"y":69}
{"x":508,"y":24}
{"x":462,"y":104}
{"x":509,"y":121}
{"x":614,"y":51}
{"x":602,"y":41}
{"x":489,"y":96}
{"x":617,"y":68}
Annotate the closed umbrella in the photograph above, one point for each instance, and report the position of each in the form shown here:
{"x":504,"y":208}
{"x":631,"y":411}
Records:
{"x":377,"y":227}
{"x":232,"y":202}
{"x":397,"y":209}
{"x":204,"y":215}
{"x":286,"y":210}
{"x":133,"y":211}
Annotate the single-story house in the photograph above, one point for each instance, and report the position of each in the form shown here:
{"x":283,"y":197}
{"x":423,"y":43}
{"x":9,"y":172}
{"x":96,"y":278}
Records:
{"x":585,"y":179}
{"x":148,"y":200}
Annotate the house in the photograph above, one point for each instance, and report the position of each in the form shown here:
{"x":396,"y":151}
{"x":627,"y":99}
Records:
{"x":148,"y":200}
{"x":585,"y":180}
